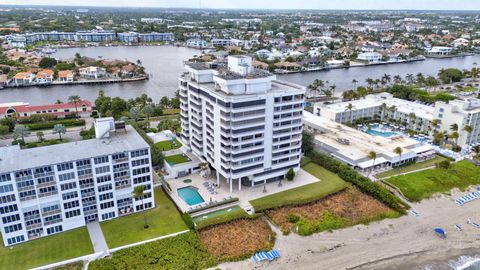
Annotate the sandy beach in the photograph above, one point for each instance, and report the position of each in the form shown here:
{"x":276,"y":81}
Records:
{"x":404,"y":243}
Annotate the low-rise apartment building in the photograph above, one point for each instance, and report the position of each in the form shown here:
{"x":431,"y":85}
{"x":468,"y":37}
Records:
{"x":61,"y":187}
{"x":22,"y":109}
{"x":243,"y":122}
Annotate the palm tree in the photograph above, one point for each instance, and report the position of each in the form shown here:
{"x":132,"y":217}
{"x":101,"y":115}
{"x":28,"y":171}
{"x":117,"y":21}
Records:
{"x":138,"y":195}
{"x":370,"y":82}
{"x":454,"y":127}
{"x":411,"y":120}
{"x":372,"y":155}
{"x":148,"y":110}
{"x":386,"y":79}
{"x":332,"y":88}
{"x":384,"y":110}
{"x":21,"y":131}
{"x":397,"y":79}
{"x":398,"y":151}
{"x":354,"y":81}
{"x":410,"y":78}
{"x":392,"y":109}
{"x":40,"y":136}
{"x":60,"y":129}
{"x":75,"y":100}
{"x":454,"y":135}
{"x":350,"y":108}
{"x":476,"y":150}
{"x":468,"y":129}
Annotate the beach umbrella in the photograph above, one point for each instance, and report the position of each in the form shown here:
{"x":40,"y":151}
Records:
{"x":440,"y":232}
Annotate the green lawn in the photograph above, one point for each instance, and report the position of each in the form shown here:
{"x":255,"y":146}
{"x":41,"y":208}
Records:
{"x":411,"y":167}
{"x":220,"y":216}
{"x":167,"y":145}
{"x":423,"y":184}
{"x":163,"y":220}
{"x":46,"y":250}
{"x":329,"y":183}
{"x":177,"y":159}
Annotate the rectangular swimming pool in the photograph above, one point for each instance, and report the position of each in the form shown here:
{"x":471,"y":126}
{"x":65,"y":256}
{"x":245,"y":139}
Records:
{"x":190,"y":195}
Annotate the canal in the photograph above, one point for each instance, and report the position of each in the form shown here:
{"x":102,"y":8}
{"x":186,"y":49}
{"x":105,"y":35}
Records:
{"x":165,"y":63}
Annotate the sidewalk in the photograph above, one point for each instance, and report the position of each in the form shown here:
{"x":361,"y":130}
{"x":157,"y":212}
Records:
{"x":96,"y":236}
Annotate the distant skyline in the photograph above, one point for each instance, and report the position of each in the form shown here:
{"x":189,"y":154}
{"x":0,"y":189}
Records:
{"x":268,"y":4}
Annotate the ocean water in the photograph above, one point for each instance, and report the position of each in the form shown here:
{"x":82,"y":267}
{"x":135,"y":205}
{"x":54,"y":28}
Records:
{"x":461,"y":263}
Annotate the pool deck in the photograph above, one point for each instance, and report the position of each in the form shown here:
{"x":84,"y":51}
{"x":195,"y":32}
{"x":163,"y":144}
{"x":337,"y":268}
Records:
{"x":245,"y":195}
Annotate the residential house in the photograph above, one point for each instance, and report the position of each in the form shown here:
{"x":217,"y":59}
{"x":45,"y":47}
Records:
{"x":23,"y":78}
{"x":370,"y":57}
{"x":65,"y":76}
{"x":92,"y":72}
{"x":44,"y":77}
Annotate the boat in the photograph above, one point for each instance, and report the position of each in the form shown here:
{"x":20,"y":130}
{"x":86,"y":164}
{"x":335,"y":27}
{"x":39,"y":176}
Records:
{"x":440,"y":232}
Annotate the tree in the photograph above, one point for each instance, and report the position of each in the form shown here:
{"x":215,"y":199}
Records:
{"x":444,"y":164}
{"x":468,"y":129}
{"x":454,"y":127}
{"x":290,"y":174}
{"x":47,"y":62}
{"x":118,"y":106}
{"x":349,"y":108}
{"x":362,"y":91}
{"x":450,"y":75}
{"x":139,"y":195}
{"x":165,"y":102}
{"x":307,"y":142}
{"x":373,"y":156}
{"x":21,"y":131}
{"x":75,"y":100}
{"x":454,"y":135}
{"x":148,"y":110}
{"x":135,"y":113}
{"x":411,"y":121}
{"x":59,"y":129}
{"x":398,"y":150}
{"x":40,"y":136}
{"x":354,"y":81}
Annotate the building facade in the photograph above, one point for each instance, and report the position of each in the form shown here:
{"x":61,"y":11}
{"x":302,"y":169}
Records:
{"x":243,"y":122}
{"x":61,"y":187}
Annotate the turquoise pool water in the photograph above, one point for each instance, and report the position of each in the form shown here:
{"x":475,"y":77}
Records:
{"x":190,"y":195}
{"x":380,"y":133}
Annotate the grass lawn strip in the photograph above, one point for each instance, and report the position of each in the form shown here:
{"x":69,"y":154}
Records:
{"x":423,"y":184}
{"x":46,"y":250}
{"x":184,"y":251}
{"x":329,"y":183}
{"x":177,"y":159}
{"x":167,"y":145}
{"x":218,"y":217}
{"x":163,"y":219}
{"x":237,"y":239}
{"x":342,"y":209}
{"x":411,"y":167}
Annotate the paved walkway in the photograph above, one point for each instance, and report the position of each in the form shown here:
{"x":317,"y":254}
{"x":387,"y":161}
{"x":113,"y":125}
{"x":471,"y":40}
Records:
{"x":96,"y":236}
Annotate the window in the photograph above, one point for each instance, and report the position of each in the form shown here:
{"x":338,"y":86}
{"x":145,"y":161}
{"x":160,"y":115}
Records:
{"x":6,"y":188}
{"x":54,"y":229}
{"x":108,"y":215}
{"x":103,"y":178}
{"x":106,"y":205}
{"x":141,"y":170}
{"x":103,"y":169}
{"x":119,"y":156}
{"x":65,"y":166}
{"x":72,"y":213}
{"x":9,"y":219}
{"x":44,"y":180}
{"x":138,"y":153}
{"x":5,"y":177}
{"x":7,"y":198}
{"x":106,"y":187}
{"x":47,"y":190}
{"x":100,"y":160}
{"x":8,"y":209}
{"x":106,"y":196}
{"x":440,"y":115}
{"x":66,"y":176}
{"x":13,"y":228}
{"x":15,"y":240}
{"x":68,"y":186}
{"x":50,"y":208}
{"x":141,"y":179}
{"x":83,"y":162}
{"x":70,"y":195}
{"x":140,"y":162}
{"x":69,"y":205}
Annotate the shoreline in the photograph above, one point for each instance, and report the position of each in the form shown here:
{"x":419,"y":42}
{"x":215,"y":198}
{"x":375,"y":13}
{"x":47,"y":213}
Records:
{"x":74,"y":83}
{"x":407,"y":242}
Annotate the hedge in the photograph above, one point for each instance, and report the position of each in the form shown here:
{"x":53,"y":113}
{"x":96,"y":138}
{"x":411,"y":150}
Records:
{"x":156,"y":154}
{"x":50,"y":125}
{"x":363,"y":183}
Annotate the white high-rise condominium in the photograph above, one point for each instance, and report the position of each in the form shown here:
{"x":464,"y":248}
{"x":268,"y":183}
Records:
{"x":50,"y":189}
{"x":243,"y":122}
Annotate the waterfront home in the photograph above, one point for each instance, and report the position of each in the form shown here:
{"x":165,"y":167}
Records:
{"x":65,"y":76}
{"x":370,"y":57}
{"x":290,"y":66}
{"x":44,"y":77}
{"x":22,"y":109}
{"x":439,"y":50}
{"x":197,"y":43}
{"x":92,"y":72}
{"x":23,"y":78}
{"x":128,"y":70}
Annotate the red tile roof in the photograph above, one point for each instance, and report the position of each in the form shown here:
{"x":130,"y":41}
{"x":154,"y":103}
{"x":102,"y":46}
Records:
{"x":29,"y":108}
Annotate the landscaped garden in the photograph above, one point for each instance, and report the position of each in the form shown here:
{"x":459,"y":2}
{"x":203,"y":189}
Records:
{"x":411,"y":167}
{"x":162,"y":220}
{"x":218,"y":217}
{"x":168,"y":145}
{"x":46,"y":250}
{"x":423,"y":184}
{"x":237,"y":239}
{"x":329,"y":183}
{"x":184,"y":251}
{"x":177,"y":159}
{"x":342,"y":209}
{"x":45,"y":143}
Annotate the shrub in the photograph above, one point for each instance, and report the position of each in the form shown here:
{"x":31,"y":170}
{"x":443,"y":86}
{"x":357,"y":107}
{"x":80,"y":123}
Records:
{"x":156,"y":154}
{"x":4,"y":129}
{"x":50,"y":125}
{"x":444,"y":164}
{"x":18,"y":141}
{"x":290,"y":174}
{"x":188,"y":221}
{"x":363,"y":183}
{"x":88,"y":134}
{"x":292,"y":218}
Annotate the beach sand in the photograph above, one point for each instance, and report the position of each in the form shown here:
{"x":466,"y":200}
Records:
{"x":407,"y":242}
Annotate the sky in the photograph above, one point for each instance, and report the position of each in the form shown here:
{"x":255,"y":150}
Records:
{"x":268,"y":4}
